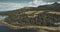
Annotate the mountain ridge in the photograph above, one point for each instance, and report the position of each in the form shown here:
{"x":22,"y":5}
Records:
{"x":37,"y":16}
{"x":55,"y":6}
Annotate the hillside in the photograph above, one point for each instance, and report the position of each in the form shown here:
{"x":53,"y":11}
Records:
{"x":33,"y":18}
{"x":43,"y":17}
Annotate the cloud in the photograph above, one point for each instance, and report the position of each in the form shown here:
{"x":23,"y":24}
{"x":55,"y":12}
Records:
{"x":12,"y":6}
{"x":36,"y":3}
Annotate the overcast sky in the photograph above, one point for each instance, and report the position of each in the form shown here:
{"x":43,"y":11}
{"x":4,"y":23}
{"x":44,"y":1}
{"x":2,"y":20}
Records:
{"x":6,"y":5}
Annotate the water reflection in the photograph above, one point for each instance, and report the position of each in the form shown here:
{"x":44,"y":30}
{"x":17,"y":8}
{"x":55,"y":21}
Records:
{"x":2,"y":17}
{"x":5,"y":29}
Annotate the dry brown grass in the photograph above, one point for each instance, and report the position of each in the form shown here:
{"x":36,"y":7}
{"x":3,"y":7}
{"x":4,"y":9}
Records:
{"x":29,"y":12}
{"x":58,"y":13}
{"x":38,"y":12}
{"x":33,"y":12}
{"x":29,"y":27}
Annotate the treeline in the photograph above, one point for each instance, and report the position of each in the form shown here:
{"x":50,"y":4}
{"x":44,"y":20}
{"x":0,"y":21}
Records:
{"x":42,"y":19}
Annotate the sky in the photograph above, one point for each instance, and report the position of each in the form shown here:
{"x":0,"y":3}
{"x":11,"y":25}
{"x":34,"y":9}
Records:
{"x":7,"y":5}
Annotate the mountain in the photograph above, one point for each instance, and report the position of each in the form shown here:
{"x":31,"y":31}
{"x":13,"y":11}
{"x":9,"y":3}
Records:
{"x":55,"y":6}
{"x":34,"y":16}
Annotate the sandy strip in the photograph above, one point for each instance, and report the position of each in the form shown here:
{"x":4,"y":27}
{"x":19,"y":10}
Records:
{"x":29,"y":27}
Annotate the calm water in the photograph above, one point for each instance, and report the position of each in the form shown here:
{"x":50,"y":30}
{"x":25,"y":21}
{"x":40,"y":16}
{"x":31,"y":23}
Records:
{"x":2,"y":17}
{"x":5,"y":29}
